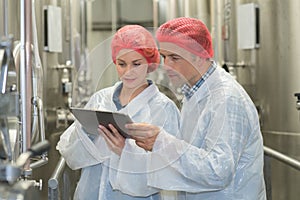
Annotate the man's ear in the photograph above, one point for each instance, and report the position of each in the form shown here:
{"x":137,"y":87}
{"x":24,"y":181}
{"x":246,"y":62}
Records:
{"x":198,"y":61}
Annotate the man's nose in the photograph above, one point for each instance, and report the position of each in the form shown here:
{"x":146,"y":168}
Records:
{"x":167,"y":64}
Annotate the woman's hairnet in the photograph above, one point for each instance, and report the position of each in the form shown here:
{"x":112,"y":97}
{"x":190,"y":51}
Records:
{"x":188,"y":33}
{"x":139,"y":39}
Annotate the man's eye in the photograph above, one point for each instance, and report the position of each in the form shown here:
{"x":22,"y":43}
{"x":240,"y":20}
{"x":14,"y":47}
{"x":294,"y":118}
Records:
{"x":175,"y":58}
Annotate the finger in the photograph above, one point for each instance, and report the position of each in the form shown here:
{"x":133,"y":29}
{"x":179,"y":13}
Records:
{"x":107,"y":139}
{"x":138,"y":134}
{"x":140,"y":144}
{"x":115,"y":131}
{"x":115,"y":143}
{"x":108,"y":133}
{"x":103,"y":128}
{"x":144,"y":133}
{"x":142,"y":129}
{"x":137,"y":138}
{"x":103,"y":132}
{"x":137,"y":126}
{"x":144,"y":146}
{"x":119,"y":140}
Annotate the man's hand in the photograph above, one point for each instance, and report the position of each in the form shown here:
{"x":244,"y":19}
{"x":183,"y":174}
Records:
{"x":113,"y":138}
{"x":144,"y":134}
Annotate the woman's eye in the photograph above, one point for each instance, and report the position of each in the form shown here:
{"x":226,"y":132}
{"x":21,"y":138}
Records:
{"x":121,"y":64}
{"x":136,"y":64}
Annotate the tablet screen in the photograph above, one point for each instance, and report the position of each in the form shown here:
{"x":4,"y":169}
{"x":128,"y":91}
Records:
{"x":90,"y":119}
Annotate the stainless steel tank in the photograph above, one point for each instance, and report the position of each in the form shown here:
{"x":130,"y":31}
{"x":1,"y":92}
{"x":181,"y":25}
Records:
{"x":270,"y":74}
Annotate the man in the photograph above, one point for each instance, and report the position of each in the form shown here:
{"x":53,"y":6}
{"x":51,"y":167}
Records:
{"x":218,"y":151}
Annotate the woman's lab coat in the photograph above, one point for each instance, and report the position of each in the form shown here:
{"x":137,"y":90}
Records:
{"x":218,"y":152}
{"x":98,"y":163}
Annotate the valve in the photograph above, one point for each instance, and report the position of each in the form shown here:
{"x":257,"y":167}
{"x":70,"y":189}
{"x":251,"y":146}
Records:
{"x":298,"y":100}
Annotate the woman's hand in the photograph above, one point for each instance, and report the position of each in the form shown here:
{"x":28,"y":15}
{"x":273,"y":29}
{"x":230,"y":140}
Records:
{"x":143,"y":134}
{"x":113,"y":138}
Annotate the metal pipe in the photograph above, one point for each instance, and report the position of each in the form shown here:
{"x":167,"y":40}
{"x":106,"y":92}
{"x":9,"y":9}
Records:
{"x":41,"y":119}
{"x":53,"y":182}
{"x":226,"y":27}
{"x":155,"y":14}
{"x":216,"y":27}
{"x":69,"y":32}
{"x":5,"y":18}
{"x":4,"y":70}
{"x":83,"y":25}
{"x":283,"y":158}
{"x":172,"y":9}
{"x":5,"y":133}
{"x":39,"y":163}
{"x":25,"y":75}
{"x":114,"y":17}
{"x":187,"y":8}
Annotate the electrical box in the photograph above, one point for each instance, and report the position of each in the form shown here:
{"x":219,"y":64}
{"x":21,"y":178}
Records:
{"x":52,"y":29}
{"x":248,"y":26}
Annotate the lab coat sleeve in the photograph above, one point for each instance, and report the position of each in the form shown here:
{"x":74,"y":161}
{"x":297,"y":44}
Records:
{"x":200,"y":165}
{"x":79,"y":150}
{"x":131,"y":177}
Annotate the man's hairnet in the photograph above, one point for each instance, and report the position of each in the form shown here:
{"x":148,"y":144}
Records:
{"x":188,"y":33}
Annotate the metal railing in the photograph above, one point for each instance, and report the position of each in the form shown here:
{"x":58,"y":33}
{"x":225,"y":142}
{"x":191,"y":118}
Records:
{"x":283,"y":158}
{"x":53,"y":182}
{"x":271,"y":153}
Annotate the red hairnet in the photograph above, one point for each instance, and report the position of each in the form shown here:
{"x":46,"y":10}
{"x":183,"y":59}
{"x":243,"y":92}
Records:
{"x":139,"y":39}
{"x":188,"y":33}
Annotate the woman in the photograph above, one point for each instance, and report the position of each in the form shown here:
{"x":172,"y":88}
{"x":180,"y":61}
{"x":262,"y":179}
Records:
{"x":135,"y":54}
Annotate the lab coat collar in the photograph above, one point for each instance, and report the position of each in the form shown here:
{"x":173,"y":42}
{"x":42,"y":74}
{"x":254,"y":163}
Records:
{"x":140,"y":101}
{"x":205,"y":88}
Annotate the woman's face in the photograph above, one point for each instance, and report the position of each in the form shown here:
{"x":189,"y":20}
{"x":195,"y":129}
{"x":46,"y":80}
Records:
{"x":132,"y":68}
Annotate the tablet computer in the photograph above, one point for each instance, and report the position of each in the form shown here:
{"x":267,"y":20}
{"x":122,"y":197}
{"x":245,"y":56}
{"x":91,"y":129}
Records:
{"x":90,"y":120}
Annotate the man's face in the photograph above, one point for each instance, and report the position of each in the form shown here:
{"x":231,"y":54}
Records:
{"x":179,"y":64}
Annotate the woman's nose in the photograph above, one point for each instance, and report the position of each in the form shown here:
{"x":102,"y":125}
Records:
{"x":128,"y":68}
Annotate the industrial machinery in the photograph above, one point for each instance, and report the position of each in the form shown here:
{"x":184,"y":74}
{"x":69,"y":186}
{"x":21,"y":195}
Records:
{"x":13,"y":184}
{"x":31,"y":63}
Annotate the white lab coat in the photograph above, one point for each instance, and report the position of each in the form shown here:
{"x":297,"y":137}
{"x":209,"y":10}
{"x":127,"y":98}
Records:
{"x":99,"y":164}
{"x":218,"y":152}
